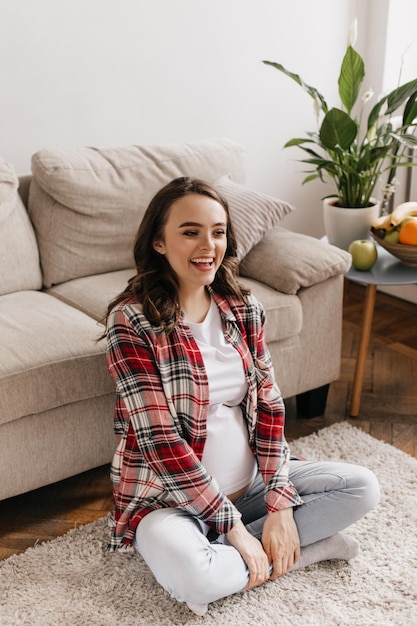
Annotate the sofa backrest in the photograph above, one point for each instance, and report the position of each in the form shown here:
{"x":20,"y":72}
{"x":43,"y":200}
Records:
{"x":86,"y":204}
{"x":19,"y":256}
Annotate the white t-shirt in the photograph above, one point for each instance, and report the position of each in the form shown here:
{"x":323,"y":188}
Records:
{"x":227,"y":455}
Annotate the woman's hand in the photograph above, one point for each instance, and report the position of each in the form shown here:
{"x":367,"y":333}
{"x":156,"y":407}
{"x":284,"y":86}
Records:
{"x":281,"y":542}
{"x":252,"y":553}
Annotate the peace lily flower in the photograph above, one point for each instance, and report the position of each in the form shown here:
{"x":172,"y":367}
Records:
{"x":353,"y":33}
{"x":354,"y":152}
{"x":317,"y":109}
{"x":367,"y":95}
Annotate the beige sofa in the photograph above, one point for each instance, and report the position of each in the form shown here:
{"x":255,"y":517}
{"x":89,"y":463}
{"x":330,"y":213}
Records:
{"x":66,"y":250}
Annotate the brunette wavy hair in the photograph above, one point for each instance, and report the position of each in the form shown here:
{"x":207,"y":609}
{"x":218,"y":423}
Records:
{"x":155,"y":285}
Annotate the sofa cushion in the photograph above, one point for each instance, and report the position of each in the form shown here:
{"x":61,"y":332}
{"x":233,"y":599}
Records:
{"x":288,"y":261}
{"x":86,"y":204}
{"x":92,"y":294}
{"x":284,"y":314}
{"x":19,"y":256}
{"x":49,"y":355}
{"x":253,"y":213}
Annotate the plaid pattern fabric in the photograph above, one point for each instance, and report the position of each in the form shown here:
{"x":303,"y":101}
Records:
{"x":162,"y":399}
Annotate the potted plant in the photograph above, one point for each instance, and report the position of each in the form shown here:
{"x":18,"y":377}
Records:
{"x":353,"y":151}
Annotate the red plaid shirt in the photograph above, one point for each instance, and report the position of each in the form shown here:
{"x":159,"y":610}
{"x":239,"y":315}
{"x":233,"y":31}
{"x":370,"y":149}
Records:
{"x":162,"y":400}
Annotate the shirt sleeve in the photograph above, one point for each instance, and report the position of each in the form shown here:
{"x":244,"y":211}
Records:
{"x":272,"y":449}
{"x":133,"y":366}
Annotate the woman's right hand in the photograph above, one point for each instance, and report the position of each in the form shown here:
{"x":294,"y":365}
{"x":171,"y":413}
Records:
{"x":252,"y":553}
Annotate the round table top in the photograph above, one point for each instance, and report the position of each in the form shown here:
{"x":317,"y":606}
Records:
{"x":388,"y":270}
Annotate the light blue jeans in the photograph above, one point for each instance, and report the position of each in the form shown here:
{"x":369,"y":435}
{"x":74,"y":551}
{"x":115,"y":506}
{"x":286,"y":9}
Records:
{"x":176,"y":549}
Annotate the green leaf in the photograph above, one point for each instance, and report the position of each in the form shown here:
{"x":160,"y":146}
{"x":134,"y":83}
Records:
{"x":410,"y":111}
{"x":351,"y":77}
{"x":316,"y":158}
{"x":399,"y":95}
{"x":396,"y":99}
{"x":310,"y":178}
{"x":297,"y":141}
{"x":377,"y":155}
{"x":374,"y":114}
{"x":407,"y":140}
{"x":312,"y":91}
{"x":338,"y":129}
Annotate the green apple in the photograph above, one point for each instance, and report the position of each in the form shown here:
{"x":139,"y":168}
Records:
{"x":364,"y":254}
{"x":392,"y":236}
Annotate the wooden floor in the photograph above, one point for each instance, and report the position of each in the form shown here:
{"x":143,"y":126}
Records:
{"x":388,"y":412}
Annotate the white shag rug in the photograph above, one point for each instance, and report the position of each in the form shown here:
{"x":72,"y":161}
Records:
{"x":72,"y":581}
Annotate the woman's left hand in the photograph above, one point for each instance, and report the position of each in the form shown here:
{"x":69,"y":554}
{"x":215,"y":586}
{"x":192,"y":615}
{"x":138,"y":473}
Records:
{"x":281,"y":542}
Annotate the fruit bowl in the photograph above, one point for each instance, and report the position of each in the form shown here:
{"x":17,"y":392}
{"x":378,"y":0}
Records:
{"x":406,"y":254}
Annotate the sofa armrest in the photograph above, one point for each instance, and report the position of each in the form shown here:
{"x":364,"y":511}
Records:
{"x":288,"y":261}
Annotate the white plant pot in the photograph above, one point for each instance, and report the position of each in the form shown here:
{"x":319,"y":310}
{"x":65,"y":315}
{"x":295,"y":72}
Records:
{"x":342,"y":226}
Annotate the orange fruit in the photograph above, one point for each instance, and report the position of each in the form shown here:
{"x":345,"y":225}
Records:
{"x":408,"y":233}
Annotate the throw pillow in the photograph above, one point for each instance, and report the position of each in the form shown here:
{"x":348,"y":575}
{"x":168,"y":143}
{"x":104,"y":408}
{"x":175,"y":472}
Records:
{"x":19,"y":257}
{"x":86,"y":204}
{"x":288,"y":261}
{"x":252,"y":213}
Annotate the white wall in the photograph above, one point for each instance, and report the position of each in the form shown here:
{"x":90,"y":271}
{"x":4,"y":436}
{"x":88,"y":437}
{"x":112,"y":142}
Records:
{"x":107,"y":72}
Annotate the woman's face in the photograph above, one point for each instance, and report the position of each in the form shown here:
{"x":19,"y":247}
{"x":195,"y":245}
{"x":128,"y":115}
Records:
{"x":195,"y":240}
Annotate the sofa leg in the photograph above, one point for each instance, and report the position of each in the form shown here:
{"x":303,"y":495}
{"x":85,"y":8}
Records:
{"x":312,"y":403}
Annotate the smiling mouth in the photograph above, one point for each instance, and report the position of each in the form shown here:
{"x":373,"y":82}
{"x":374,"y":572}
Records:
{"x":202,"y":261}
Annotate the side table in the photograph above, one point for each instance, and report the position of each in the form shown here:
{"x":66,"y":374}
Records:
{"x":388,"y":270}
